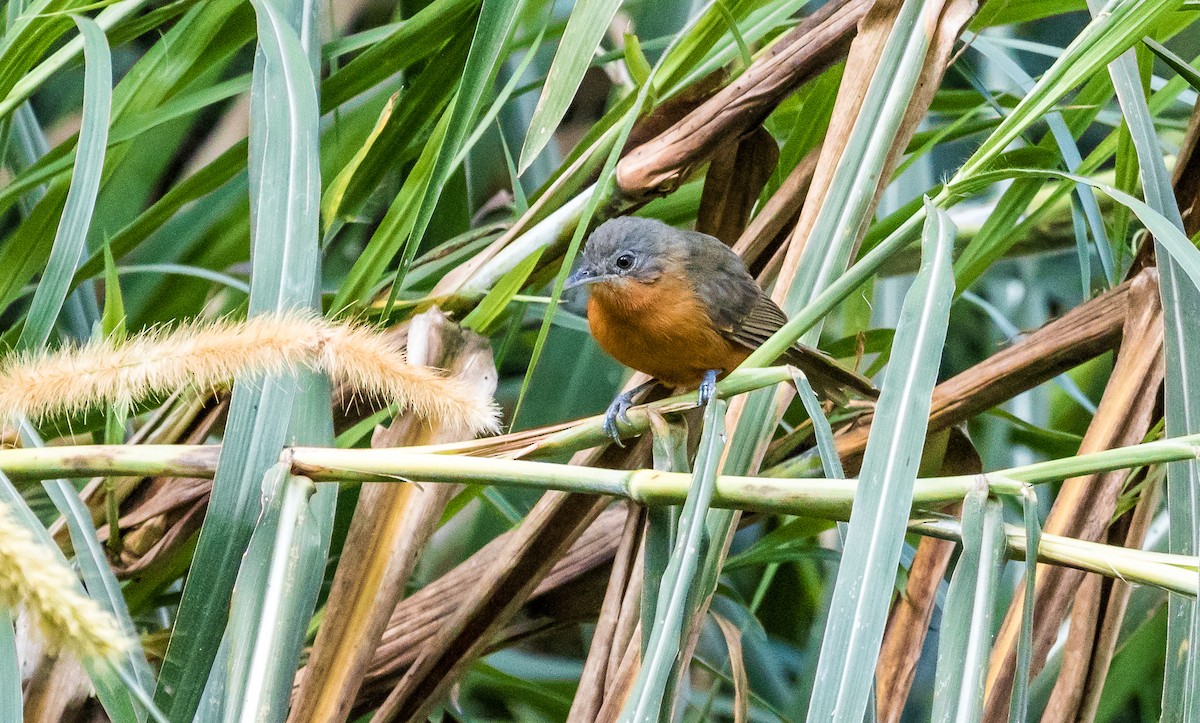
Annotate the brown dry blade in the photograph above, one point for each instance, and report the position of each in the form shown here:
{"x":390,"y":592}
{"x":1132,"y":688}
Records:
{"x":543,"y":537}
{"x":736,"y":176}
{"x":1084,"y":506}
{"x":1076,"y":654}
{"x":945,"y":23}
{"x":609,"y":639}
{"x":165,"y":426}
{"x":778,"y":214}
{"x":1081,"y":334}
{"x":57,"y":691}
{"x":908,"y":622}
{"x":1117,"y":601}
{"x":391,"y":526}
{"x":415,"y":621}
{"x":1090,"y":645}
{"x":164,"y":513}
{"x":737,"y":665}
{"x":660,"y":165}
{"x":623,"y":679}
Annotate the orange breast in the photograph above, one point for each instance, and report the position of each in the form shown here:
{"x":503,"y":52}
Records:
{"x":661,"y":329}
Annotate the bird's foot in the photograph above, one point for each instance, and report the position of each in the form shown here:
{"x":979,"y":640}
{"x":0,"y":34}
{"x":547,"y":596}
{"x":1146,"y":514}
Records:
{"x":708,"y":388}
{"x":617,"y":411}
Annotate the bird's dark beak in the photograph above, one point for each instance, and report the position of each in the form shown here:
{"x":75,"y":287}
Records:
{"x":582,"y":276}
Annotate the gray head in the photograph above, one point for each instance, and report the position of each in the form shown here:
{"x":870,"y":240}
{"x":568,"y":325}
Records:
{"x":632,"y":248}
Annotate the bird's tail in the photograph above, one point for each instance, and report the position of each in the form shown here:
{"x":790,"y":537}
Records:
{"x":829,"y":378}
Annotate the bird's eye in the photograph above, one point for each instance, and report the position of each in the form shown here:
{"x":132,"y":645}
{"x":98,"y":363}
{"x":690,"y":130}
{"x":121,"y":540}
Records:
{"x":624,"y":262}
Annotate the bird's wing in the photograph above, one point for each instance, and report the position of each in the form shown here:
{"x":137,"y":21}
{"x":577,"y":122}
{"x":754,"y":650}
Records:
{"x":744,"y":315}
{"x":826,"y":374}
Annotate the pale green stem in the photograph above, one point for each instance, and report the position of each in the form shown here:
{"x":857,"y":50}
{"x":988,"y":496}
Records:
{"x":1176,"y":573}
{"x":767,"y":494}
{"x":825,"y":498}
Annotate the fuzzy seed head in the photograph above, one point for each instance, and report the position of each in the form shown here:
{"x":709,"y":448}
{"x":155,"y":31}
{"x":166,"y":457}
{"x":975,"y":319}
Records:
{"x":207,"y":356}
{"x":34,"y":580}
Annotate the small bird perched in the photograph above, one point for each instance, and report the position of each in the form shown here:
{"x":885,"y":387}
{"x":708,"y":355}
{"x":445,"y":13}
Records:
{"x":681,"y":307}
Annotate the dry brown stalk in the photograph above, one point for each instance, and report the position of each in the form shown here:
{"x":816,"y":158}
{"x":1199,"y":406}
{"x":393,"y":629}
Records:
{"x":611,"y":636}
{"x":622,"y":680}
{"x":166,"y":512}
{"x":1116,"y":600}
{"x":736,"y":176}
{"x":660,"y":165}
{"x":779,"y":213}
{"x":391,"y":526}
{"x":1084,"y":506}
{"x":548,"y":530}
{"x":1083,"y":333}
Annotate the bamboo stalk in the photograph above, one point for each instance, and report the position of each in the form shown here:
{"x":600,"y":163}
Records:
{"x":765,"y":494}
{"x":832,"y":498}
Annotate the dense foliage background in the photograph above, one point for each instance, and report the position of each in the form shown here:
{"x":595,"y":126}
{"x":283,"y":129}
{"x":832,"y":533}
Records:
{"x":1018,"y":178}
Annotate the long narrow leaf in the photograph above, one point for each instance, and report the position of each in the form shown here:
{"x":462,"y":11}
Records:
{"x":285,"y":192}
{"x":1019,"y":710}
{"x":876,"y":532}
{"x":666,"y":636}
{"x":585,"y":29}
{"x":966,"y":628}
{"x":71,"y":239}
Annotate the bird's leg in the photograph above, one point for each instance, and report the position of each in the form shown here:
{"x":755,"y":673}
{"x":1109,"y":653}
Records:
{"x":708,"y":387}
{"x":619,"y":407}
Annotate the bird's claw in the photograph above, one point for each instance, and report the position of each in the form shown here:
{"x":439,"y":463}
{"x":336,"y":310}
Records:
{"x":617,"y":411}
{"x":708,"y":388}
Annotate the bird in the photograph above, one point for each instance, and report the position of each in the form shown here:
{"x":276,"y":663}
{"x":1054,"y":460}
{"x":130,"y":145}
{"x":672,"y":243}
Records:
{"x":681,"y":307}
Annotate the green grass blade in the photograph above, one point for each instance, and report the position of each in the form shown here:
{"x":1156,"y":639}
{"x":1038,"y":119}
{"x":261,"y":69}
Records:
{"x":665,"y":639}
{"x":1180,"y":291}
{"x":585,"y":29}
{"x":29,"y":82}
{"x":670,"y":449}
{"x":1071,"y":158}
{"x":215,"y":175}
{"x":407,"y":219}
{"x":1106,"y":37}
{"x":49,"y":168}
{"x":866,"y":577}
{"x":411,"y":41}
{"x":831,"y":463}
{"x":1018,"y":712}
{"x":967,"y":616}
{"x":71,"y":238}
{"x":11,"y":700}
{"x":284,"y":544}
{"x":285,"y":188}
{"x":1178,"y":64}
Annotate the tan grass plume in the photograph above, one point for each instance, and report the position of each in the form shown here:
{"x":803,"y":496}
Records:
{"x":34,"y":580}
{"x":209,"y":355}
